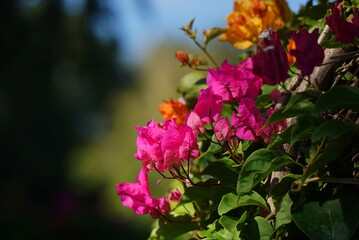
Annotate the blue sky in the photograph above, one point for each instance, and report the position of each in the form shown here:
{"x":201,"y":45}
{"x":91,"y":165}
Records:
{"x":163,"y":18}
{"x":140,"y":24}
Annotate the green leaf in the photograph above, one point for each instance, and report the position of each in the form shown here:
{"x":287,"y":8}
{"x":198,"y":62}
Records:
{"x":284,"y":215}
{"x":283,"y":187}
{"x":190,"y":81}
{"x":333,"y":218}
{"x":332,"y":129}
{"x":296,"y":110}
{"x":258,"y":166}
{"x":336,"y":98}
{"x":263,"y":101}
{"x":334,"y":44}
{"x":257,"y":228}
{"x":281,"y":138}
{"x":223,"y":171}
{"x":170,"y":230}
{"x":231,"y":201}
{"x":215,"y":232}
{"x":303,"y":128}
{"x":295,"y":99}
{"x":229,"y":223}
{"x":199,"y":195}
{"x":332,"y":151}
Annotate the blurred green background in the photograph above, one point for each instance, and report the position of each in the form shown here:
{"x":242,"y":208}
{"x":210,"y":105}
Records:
{"x":69,"y":102}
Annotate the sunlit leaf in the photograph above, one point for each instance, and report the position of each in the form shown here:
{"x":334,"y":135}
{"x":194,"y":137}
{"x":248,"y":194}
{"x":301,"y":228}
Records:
{"x":258,"y":166}
{"x":284,"y":215}
{"x":231,"y":201}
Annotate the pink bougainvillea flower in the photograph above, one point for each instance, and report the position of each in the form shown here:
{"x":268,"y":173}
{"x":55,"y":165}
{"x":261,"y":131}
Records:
{"x":271,"y":63}
{"x":175,"y":196}
{"x":163,"y":147}
{"x":248,"y":121}
{"x":137,"y":197}
{"x":149,"y":146}
{"x":233,"y":83}
{"x":268,"y":132}
{"x":308,"y":53}
{"x":209,"y":106}
{"x":275,"y":95}
{"x":345,"y":31}
{"x":222,"y":129}
{"x":195,"y":123}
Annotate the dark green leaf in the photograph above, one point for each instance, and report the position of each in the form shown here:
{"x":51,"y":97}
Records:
{"x":283,"y":187}
{"x":223,"y":171}
{"x":303,"y":128}
{"x":172,"y":231}
{"x":332,"y":151}
{"x":333,"y":44}
{"x":334,"y":218}
{"x":281,"y":138}
{"x":257,"y":228}
{"x":336,"y":98}
{"x":297,"y":110}
{"x":231,"y":201}
{"x":258,"y":166}
{"x":332,"y":129}
{"x":295,"y":99}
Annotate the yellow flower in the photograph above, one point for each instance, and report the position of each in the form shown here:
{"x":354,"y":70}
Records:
{"x":249,"y":18}
{"x":173,"y":109}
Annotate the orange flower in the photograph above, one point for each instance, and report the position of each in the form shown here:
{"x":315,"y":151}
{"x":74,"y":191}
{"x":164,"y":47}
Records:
{"x":173,"y":109}
{"x":250,"y":18}
{"x":291,"y":46}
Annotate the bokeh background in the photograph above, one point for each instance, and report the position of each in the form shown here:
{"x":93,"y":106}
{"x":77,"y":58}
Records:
{"x":76,"y":77}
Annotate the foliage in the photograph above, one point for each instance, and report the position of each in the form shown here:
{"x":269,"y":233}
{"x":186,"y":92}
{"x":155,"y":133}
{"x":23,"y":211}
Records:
{"x":262,"y":164}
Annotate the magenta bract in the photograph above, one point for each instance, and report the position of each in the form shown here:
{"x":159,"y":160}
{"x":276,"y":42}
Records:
{"x":137,"y":197}
{"x":233,"y":83}
{"x":163,"y":147}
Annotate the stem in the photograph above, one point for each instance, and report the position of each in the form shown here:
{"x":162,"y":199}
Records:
{"x":189,"y":179}
{"x":331,"y":180}
{"x":205,"y":52}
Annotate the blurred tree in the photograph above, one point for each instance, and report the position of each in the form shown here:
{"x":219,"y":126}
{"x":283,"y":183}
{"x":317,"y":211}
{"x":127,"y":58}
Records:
{"x":56,"y":76}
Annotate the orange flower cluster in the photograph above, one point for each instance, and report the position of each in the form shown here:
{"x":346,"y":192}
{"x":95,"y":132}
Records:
{"x":173,"y":109}
{"x":251,"y":17}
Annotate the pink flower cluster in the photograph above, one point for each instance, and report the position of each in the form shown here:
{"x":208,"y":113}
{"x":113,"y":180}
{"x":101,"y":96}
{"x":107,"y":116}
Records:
{"x":164,"y":146}
{"x":241,"y":85}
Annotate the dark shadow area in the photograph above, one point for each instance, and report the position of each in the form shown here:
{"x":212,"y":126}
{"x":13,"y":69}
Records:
{"x":55,"y":78}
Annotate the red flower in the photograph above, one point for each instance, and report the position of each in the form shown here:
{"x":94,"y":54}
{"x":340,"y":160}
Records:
{"x":271,"y":63}
{"x":345,"y":31}
{"x":308,"y":53}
